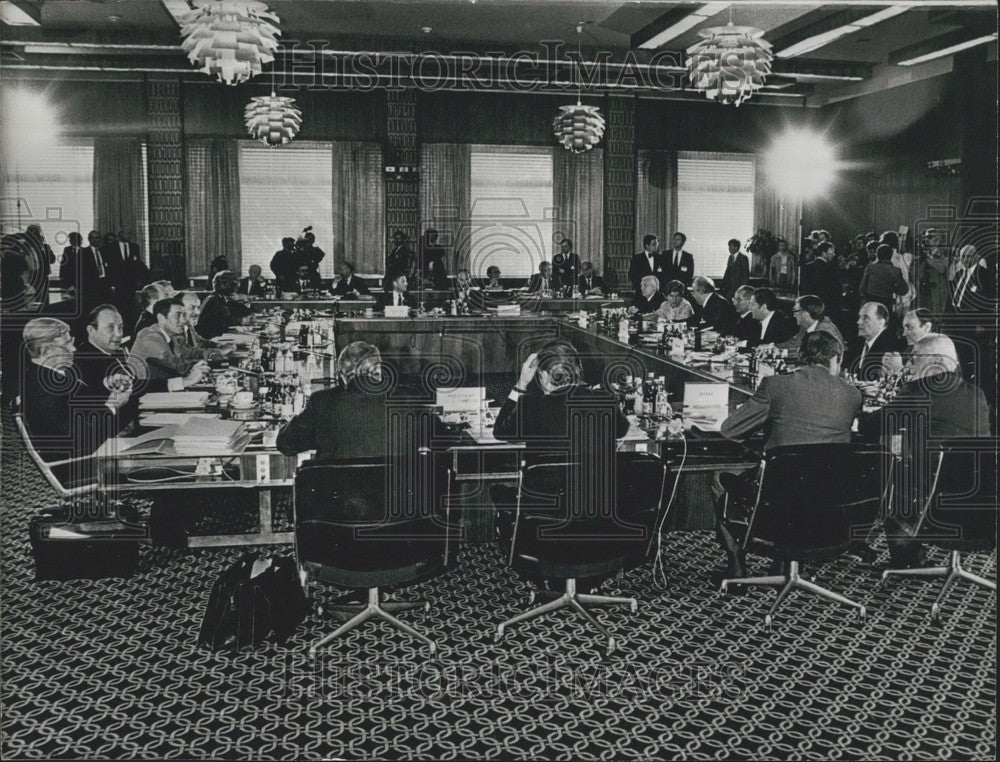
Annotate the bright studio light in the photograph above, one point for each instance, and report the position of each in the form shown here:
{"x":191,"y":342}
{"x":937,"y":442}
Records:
{"x":801,"y":164}
{"x":30,"y":123}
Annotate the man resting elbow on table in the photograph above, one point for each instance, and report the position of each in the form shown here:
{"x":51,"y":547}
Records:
{"x":158,"y":353}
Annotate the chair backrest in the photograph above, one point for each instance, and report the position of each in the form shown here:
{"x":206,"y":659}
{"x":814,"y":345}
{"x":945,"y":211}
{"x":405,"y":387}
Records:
{"x":960,"y":509}
{"x":816,"y":497}
{"x":643,"y":484}
{"x":49,"y":468}
{"x":364,"y":515}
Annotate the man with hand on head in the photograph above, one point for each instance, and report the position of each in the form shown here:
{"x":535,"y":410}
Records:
{"x":254,"y":284}
{"x":348,"y":284}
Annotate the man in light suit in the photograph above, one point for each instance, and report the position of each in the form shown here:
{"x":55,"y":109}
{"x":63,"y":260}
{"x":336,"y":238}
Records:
{"x":811,"y":406}
{"x":809,"y":313}
{"x":159,"y":349}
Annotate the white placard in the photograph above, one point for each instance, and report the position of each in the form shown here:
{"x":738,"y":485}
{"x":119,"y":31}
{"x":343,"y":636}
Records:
{"x":397,"y":311}
{"x":697,"y":395}
{"x":462,"y":399}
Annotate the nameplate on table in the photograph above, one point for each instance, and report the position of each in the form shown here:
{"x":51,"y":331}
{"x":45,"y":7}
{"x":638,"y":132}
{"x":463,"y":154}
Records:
{"x":397,"y":311}
{"x":462,"y":399}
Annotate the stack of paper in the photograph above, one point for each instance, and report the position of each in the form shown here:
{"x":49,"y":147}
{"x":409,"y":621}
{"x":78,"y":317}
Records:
{"x":173,"y":400}
{"x":202,"y":436}
{"x":508,"y":310}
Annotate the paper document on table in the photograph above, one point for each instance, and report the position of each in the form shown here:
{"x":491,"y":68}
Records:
{"x":462,"y":399}
{"x":166,"y":419}
{"x":151,"y":442}
{"x":172,"y":400}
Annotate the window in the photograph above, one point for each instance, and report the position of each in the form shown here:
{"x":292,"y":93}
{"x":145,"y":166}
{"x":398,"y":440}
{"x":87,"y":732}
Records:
{"x":52,"y":187}
{"x":714,"y":204}
{"x":511,"y":209}
{"x":283,"y":190}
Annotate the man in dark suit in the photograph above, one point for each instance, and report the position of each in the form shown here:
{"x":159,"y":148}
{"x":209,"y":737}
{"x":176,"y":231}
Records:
{"x":544,"y":280}
{"x":811,"y":406}
{"x":349,"y":421}
{"x":648,"y":298}
{"x":349,"y":284}
{"x":678,"y":264}
{"x":716,"y":312}
{"x":737,"y":270}
{"x":949,"y":407}
{"x":254,"y":284}
{"x":398,"y":296}
{"x":590,"y":283}
{"x":400,"y":259}
{"x":647,"y":262}
{"x":775,"y":327}
{"x":285,"y":265}
{"x":83,"y":270}
{"x":809,"y":314}
{"x":747,"y":328}
{"x":566,"y":263}
{"x":875,"y":340}
{"x":65,"y":418}
{"x":43,"y":256}
{"x":821,"y":277}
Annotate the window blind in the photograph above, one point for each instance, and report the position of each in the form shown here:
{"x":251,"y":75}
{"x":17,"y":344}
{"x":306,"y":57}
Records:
{"x":282,"y":190}
{"x":714,"y":204}
{"x":53,"y":188}
{"x":511,"y":209}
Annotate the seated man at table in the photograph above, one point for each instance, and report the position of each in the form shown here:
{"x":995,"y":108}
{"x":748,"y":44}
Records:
{"x":775,"y":327}
{"x":65,"y":418}
{"x":544,"y":280}
{"x":542,"y":420}
{"x":590,"y":283}
{"x":809,"y":313}
{"x":349,"y":421}
{"x":493,"y":282}
{"x":950,"y":408}
{"x":149,"y":296}
{"x":194,"y":344}
{"x":716,"y":312}
{"x":158,"y":352}
{"x":648,"y":299}
{"x":254,"y":284}
{"x":811,"y":406}
{"x":397,"y":296}
{"x":747,"y":328}
{"x":348,"y":284}
{"x":875,"y":340}
{"x":222,"y":309}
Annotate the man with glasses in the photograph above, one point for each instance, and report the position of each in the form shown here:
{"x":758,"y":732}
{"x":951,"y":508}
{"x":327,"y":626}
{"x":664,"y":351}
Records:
{"x":810,"y":315}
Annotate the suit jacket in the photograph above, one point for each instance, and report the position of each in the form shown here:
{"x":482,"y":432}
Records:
{"x":747,"y":329}
{"x":345,"y":286}
{"x":596,"y":281}
{"x":719,"y":313}
{"x":191,"y":345}
{"x":646,"y":306}
{"x":683,"y":271}
{"x":114,"y":264}
{"x":871,"y":367}
{"x":737,"y":274}
{"x":954,"y":408}
{"x":218,"y":315}
{"x":94,"y":365}
{"x":535,"y":282}
{"x":345,"y":422}
{"x":256,"y":288}
{"x":159,"y":359}
{"x":65,"y":418}
{"x":285,"y":266}
{"x":544,"y":421}
{"x":638,"y":268}
{"x":79,"y":270}
{"x":825,"y":324}
{"x":145,"y":320}
{"x":822,"y":279}
{"x":809,"y":406}
{"x":567,"y":267}
{"x":779,"y":328}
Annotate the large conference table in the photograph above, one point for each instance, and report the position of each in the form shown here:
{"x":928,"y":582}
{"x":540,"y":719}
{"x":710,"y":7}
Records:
{"x":460,"y":351}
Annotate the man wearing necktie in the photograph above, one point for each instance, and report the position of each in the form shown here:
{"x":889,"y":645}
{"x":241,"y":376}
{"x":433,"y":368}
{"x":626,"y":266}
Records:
{"x":681,"y":263}
{"x":158,"y":351}
{"x":646,"y":262}
{"x":83,"y":270}
{"x":544,"y":280}
{"x":398,"y":297}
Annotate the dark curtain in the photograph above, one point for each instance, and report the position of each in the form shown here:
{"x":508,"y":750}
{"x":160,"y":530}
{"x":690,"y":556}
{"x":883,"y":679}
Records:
{"x":213,"y":205}
{"x":359,"y":206}
{"x":446,"y":198}
{"x":578,"y":191}
{"x":656,"y":196}
{"x":118,"y":199}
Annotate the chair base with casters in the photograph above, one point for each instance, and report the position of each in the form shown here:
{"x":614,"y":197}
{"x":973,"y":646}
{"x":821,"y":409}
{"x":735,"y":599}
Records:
{"x":359,"y":613}
{"x":952,"y":572}
{"x":571,"y":599}
{"x":789,"y":582}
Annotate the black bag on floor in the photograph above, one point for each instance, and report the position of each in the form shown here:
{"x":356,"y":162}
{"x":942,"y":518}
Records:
{"x":253,"y":597}
{"x":67,"y":546}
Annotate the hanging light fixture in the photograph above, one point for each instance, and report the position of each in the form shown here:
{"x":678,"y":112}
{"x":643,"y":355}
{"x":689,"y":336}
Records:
{"x":230,"y":39}
{"x":579,"y":128}
{"x":730,"y":62}
{"x":272,"y":119}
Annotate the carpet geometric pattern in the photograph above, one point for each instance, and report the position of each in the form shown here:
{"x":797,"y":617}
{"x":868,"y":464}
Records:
{"x":110,"y":668}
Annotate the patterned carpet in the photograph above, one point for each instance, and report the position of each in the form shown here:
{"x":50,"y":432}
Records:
{"x":110,"y":669}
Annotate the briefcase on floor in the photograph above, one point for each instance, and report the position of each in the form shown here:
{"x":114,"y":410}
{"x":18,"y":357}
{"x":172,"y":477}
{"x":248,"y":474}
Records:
{"x":66,"y":548}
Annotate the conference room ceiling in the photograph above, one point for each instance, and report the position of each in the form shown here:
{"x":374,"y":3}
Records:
{"x":853,"y":64}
